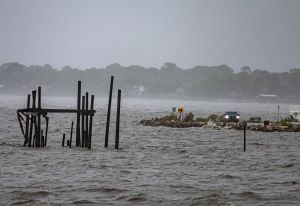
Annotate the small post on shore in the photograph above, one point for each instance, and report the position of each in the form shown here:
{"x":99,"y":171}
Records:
{"x":86,"y":120}
{"x":108,"y":111}
{"x":71,"y":135}
{"x":82,"y":122}
{"x":63,"y":140}
{"x":78,"y":115}
{"x":91,"y":122}
{"x":118,"y":120}
{"x":245,"y":127}
{"x":278,"y":109}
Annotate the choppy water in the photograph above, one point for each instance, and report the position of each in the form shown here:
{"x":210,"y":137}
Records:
{"x":156,"y":165}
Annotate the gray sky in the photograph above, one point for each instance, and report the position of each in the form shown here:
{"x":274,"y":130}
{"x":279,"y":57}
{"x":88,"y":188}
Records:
{"x":263,"y":34}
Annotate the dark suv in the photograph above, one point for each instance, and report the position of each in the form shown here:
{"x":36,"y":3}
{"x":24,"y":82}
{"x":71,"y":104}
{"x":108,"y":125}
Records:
{"x":231,"y":117}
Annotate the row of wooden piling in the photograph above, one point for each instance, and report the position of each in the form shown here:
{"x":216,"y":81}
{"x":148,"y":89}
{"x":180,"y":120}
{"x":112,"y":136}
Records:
{"x":117,"y":136}
{"x":34,"y":134}
{"x":84,"y":121}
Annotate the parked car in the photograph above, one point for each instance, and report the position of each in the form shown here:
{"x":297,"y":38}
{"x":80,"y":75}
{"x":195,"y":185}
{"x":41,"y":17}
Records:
{"x":231,"y":117}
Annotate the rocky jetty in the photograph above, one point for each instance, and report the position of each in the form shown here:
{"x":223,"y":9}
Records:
{"x":173,"y":121}
{"x":187,"y":120}
{"x":272,"y":127}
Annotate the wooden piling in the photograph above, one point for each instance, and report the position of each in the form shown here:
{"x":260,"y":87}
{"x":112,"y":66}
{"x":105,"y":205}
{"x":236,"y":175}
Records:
{"x":68,"y":143}
{"x":71,"y":135}
{"x":46,"y":133}
{"x":27,"y":122}
{"x":91,"y":122}
{"x":108,"y":111}
{"x":245,"y":127}
{"x":28,"y":101}
{"x":78,"y":115}
{"x":32,"y":136}
{"x":30,"y":130}
{"x":33,"y":140}
{"x":42,"y":139}
{"x":86,"y":120}
{"x":82,"y":122}
{"x":63,"y":140}
{"x":118,"y":120}
{"x":38,"y":137}
{"x":20,"y":123}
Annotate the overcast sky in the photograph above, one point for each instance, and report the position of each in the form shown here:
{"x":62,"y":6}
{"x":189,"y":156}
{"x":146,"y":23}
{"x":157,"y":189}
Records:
{"x":263,"y":34}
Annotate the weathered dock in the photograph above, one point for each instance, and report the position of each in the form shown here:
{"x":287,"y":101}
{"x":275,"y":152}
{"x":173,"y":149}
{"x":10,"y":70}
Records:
{"x":31,"y":118}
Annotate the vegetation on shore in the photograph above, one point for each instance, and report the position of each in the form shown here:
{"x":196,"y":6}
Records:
{"x":199,"y":82}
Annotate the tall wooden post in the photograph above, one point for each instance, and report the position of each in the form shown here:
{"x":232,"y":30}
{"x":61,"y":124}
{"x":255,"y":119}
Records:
{"x":91,"y":122}
{"x":108,"y":111}
{"x":32,"y":122}
{"x":46,"y":133}
{"x":27,"y":122}
{"x":63,"y":140}
{"x":82,"y":122}
{"x":38,"y":133}
{"x":118,"y":120}
{"x":71,"y":135}
{"x":78,"y":115}
{"x":86,"y":120}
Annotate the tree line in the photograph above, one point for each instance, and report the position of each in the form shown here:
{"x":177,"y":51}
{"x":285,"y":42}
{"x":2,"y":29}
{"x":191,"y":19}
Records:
{"x":199,"y":82}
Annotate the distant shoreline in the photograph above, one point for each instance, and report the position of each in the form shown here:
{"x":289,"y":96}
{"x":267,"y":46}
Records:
{"x":103,"y":97}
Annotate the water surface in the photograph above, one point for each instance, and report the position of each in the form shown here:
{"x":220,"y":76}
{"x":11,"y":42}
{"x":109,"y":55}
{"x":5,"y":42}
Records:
{"x":155,"y":166}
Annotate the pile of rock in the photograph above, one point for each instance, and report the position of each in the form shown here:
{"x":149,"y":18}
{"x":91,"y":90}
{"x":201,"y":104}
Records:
{"x":173,"y":121}
{"x":272,"y":127}
{"x":187,"y":120}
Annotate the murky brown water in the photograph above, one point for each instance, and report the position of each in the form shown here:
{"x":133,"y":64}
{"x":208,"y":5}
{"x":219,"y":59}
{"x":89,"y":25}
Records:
{"x":155,"y":166}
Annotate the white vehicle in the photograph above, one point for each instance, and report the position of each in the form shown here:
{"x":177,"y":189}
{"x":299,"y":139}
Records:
{"x":295,"y":112}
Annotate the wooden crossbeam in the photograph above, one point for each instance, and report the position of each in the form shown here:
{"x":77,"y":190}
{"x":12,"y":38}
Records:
{"x":46,"y":111}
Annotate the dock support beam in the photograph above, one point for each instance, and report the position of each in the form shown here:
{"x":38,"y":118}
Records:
{"x":38,"y":132}
{"x":108,"y":111}
{"x":82,"y":123}
{"x":91,"y":123}
{"x":118,"y":120}
{"x":86,"y":120}
{"x":32,"y":135}
{"x":78,"y":115}
{"x":27,"y":122}
{"x":71,"y":135}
